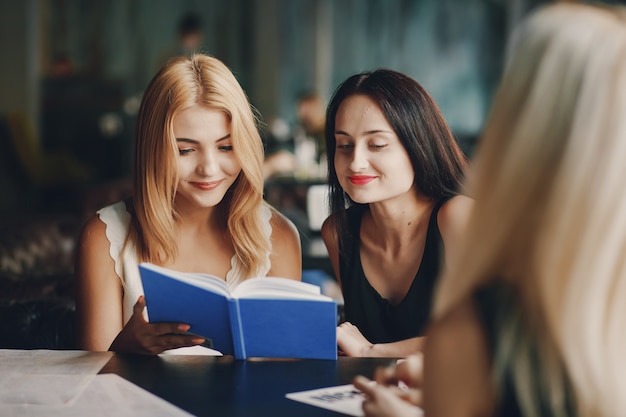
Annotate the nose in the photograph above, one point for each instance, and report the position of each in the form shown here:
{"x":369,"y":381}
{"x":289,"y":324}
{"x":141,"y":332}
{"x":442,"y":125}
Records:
{"x":359,"y":159}
{"x":207,"y":164}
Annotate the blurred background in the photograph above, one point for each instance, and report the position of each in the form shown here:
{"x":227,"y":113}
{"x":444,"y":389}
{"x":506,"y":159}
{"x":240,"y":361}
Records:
{"x":73,"y":73}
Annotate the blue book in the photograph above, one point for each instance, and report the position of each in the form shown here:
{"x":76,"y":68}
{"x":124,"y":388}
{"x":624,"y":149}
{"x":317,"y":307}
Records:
{"x":267,"y":317}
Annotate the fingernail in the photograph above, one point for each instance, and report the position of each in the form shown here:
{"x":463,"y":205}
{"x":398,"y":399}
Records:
{"x":183,"y":327}
{"x":198,"y":341}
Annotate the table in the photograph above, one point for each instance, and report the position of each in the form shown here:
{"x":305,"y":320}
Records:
{"x":222,"y":386}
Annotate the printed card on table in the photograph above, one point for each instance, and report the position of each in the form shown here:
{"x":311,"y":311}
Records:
{"x":342,"y":398}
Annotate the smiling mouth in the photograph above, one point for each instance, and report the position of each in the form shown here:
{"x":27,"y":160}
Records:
{"x":361,"y":179}
{"x":206,"y":186}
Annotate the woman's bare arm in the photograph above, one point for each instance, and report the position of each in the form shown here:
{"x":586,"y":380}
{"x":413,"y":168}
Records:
{"x":457,"y":368}
{"x":98,"y":290}
{"x":452,"y":220}
{"x":329,"y":236}
{"x":351,"y":342}
{"x":99,"y":308}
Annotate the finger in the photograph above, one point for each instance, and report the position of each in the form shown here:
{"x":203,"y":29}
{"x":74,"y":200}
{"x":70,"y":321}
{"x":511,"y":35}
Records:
{"x":155,"y":345}
{"x":410,"y":395}
{"x":364,"y":385}
{"x":164,"y":328}
{"x":370,"y":408}
{"x":385,"y":375}
{"x":139,"y":306}
{"x":173,"y":341}
{"x":346,"y":325}
{"x":413,"y":396}
{"x":411,"y":370}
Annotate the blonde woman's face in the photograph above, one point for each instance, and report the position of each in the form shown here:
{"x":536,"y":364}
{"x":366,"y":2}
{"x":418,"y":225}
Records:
{"x":207,"y":165}
{"x":371,"y":162}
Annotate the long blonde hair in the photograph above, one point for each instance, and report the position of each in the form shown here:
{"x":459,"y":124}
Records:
{"x":550,"y":212}
{"x":181,"y":83}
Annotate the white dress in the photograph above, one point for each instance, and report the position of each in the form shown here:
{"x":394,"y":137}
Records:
{"x":117,"y":220}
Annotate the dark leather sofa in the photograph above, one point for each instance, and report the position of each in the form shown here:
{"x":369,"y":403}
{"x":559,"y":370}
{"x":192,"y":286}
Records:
{"x":37,"y":307}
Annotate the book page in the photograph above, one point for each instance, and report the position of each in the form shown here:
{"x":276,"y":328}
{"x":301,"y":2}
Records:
{"x":344,"y":399}
{"x":197,"y":279}
{"x":262,"y":287}
{"x":278,"y":288}
{"x":192,"y":350}
{"x":52,"y":377}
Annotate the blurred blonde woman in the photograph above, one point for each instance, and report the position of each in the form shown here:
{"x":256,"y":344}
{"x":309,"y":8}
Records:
{"x":197,"y":207}
{"x":528,"y":322}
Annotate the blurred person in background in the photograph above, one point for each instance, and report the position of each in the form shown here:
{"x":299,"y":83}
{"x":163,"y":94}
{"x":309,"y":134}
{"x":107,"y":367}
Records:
{"x":280,"y":159}
{"x":189,"y":38}
{"x":309,"y":135}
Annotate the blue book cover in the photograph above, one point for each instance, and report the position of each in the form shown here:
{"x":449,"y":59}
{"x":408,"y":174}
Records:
{"x":262,"y":317}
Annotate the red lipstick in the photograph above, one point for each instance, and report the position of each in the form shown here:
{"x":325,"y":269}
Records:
{"x":361,"y":179}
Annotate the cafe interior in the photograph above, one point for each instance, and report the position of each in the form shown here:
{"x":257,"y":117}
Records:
{"x":71,"y":82}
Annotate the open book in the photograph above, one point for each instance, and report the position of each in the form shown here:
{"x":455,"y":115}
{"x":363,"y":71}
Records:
{"x":262,"y":317}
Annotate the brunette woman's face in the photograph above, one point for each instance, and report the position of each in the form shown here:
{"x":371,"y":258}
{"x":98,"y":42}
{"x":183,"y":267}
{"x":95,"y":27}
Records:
{"x":371,"y":163}
{"x":207,"y":165}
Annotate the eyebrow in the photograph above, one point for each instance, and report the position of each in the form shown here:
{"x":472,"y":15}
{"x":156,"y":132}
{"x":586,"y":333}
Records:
{"x":369,"y":132}
{"x":188,"y":140}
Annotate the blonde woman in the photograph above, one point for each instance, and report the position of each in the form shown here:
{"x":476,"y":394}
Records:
{"x":197,"y":207}
{"x":529,"y":321}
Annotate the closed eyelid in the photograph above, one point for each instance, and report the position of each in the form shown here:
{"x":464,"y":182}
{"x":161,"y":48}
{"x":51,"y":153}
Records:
{"x":186,"y":145}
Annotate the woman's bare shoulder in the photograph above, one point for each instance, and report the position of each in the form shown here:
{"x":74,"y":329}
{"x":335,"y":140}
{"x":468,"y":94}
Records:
{"x":328,"y":228}
{"x":452,"y":220}
{"x":456,"y":209}
{"x":93,"y":231}
{"x":281,"y":226}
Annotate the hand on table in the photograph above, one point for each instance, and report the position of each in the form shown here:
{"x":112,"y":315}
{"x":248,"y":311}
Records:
{"x":139,"y":336}
{"x":407,"y":372}
{"x":351,"y":342}
{"x":395,"y":391}
{"x":386,"y":400}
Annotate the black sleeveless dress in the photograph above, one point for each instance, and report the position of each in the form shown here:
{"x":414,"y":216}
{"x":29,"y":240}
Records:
{"x":377,"y":319}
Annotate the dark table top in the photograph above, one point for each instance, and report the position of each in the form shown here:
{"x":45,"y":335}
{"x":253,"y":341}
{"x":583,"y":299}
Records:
{"x":222,"y":386}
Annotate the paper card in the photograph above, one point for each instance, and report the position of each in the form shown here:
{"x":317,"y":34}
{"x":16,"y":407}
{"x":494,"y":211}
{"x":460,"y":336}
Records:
{"x":342,"y":398}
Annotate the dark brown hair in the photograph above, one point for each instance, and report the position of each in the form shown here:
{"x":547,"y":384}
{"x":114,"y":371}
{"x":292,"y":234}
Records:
{"x":438,"y":162}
